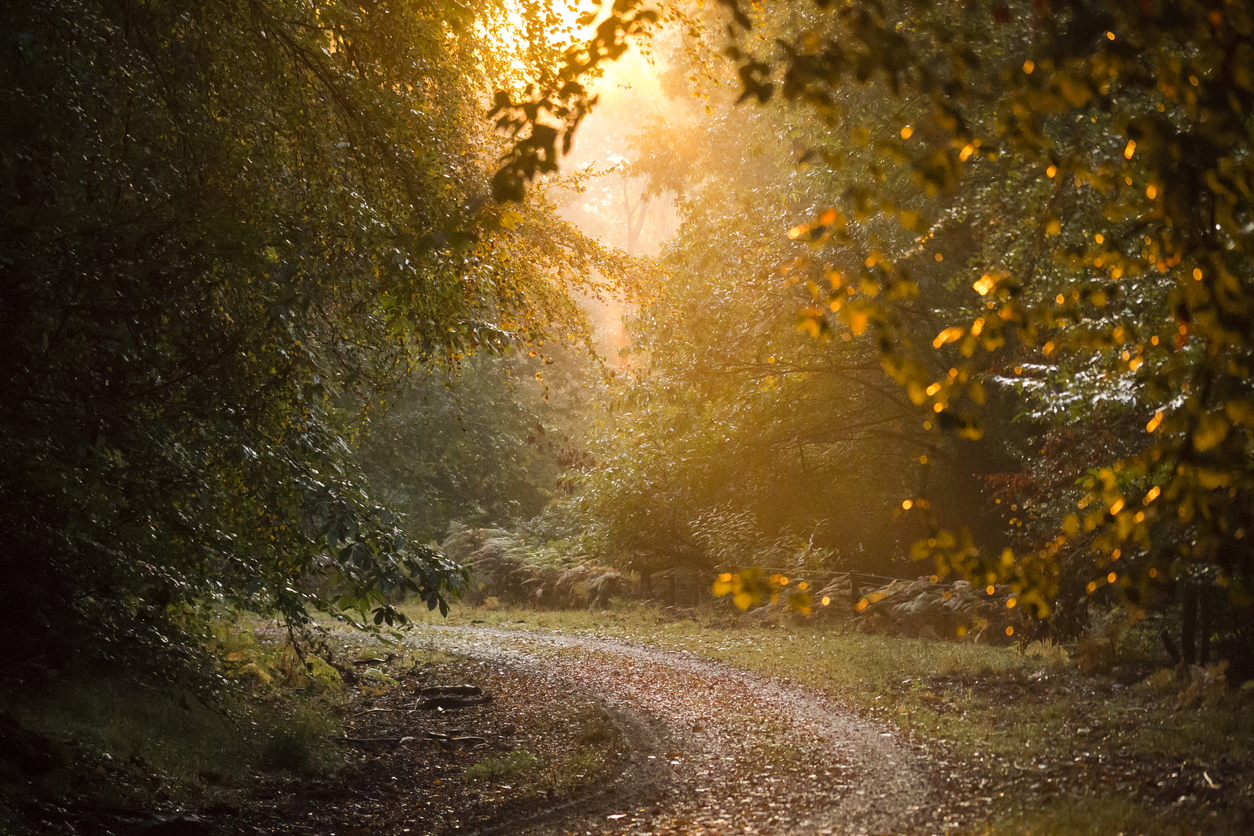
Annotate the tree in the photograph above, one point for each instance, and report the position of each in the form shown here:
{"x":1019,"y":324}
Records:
{"x":228,"y":227}
{"x":731,"y":416}
{"x":1090,"y":164}
{"x":483,"y":446}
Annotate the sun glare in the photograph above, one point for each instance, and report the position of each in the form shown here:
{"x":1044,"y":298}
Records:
{"x":507,"y":33}
{"x":560,"y":22}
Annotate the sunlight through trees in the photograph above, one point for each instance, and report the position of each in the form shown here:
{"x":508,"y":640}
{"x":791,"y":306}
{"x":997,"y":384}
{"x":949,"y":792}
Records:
{"x":1042,"y":206}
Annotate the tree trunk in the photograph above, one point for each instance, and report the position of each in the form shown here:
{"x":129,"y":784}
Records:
{"x":1203,"y":619}
{"x":1188,"y":630}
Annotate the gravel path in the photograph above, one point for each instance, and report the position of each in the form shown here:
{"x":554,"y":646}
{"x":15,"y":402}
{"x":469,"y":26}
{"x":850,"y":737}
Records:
{"x":715,"y":750}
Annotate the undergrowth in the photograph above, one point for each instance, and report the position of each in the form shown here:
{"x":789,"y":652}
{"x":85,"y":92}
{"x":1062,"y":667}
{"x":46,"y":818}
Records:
{"x":190,"y":746}
{"x":129,"y":742}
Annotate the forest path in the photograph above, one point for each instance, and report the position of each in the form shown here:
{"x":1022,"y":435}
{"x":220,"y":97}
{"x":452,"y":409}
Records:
{"x":713,"y":749}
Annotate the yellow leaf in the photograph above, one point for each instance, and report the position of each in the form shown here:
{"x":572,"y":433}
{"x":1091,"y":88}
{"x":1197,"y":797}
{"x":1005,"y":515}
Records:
{"x":1124,"y":523}
{"x":1212,"y":479}
{"x":857,"y":322}
{"x":1240,"y":411}
{"x":812,"y":325}
{"x":1211,"y":430}
{"x":972,"y":432}
{"x":949,"y":335}
{"x":252,"y":669}
{"x":1076,"y":93}
{"x":510,"y":218}
{"x":800,"y":602}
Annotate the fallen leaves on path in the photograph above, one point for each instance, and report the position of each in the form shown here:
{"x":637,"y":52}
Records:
{"x":719,"y":751}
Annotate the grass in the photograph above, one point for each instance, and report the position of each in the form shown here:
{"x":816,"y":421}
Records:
{"x":510,"y":766}
{"x":595,"y":750}
{"x":1015,"y":715}
{"x":126,"y":742}
{"x":191,"y":749}
{"x":1035,"y":726}
{"x":1064,"y":817}
{"x":558,"y":752}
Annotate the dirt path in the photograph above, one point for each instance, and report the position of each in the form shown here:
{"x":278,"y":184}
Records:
{"x":715,"y":749}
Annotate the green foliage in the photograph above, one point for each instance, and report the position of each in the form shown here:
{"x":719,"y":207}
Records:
{"x":229,"y":226}
{"x":516,"y":567}
{"x":736,"y":438}
{"x":299,"y":740}
{"x":266,"y":668}
{"x":542,"y":118}
{"x":1115,"y":131}
{"x":484,"y":445}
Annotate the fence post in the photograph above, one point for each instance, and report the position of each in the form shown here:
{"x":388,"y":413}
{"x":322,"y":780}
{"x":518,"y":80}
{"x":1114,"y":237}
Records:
{"x":855,"y":594}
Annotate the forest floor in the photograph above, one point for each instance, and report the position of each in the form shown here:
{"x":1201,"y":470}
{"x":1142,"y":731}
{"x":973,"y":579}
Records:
{"x":617,"y":731}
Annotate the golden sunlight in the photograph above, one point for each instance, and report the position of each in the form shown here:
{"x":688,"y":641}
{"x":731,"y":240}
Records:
{"x":511,"y":32}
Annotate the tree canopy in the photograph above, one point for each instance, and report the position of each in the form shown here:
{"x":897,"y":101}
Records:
{"x":229,"y":228}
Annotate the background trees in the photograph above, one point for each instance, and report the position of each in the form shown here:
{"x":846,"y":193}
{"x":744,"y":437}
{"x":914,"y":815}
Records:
{"x":1126,"y":277}
{"x":487,"y":446}
{"x":735,"y":423}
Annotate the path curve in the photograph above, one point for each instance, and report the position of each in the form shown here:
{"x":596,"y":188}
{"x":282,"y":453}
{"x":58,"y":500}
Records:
{"x":714,"y":749}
